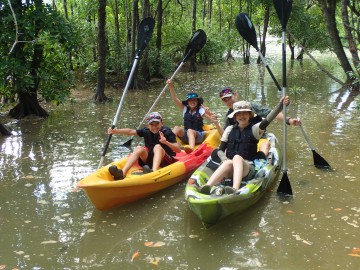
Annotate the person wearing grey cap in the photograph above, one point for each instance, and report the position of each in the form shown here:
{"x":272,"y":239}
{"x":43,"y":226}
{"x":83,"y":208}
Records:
{"x":159,"y":150}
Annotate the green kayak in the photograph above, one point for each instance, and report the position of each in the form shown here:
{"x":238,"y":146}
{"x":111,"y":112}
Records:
{"x":218,"y":205}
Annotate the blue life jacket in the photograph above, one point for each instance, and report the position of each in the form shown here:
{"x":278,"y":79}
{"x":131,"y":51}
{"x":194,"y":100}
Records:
{"x":193,"y":121}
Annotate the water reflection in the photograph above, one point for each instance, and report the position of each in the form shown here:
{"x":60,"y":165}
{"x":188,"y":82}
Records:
{"x":46,"y":223}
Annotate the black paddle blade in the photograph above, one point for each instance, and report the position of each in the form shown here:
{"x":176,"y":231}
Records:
{"x":246,"y":29}
{"x":127,"y":143}
{"x":283,"y":16}
{"x":284,"y":186}
{"x":195,"y":44}
{"x":145,"y":31}
{"x":319,"y":161}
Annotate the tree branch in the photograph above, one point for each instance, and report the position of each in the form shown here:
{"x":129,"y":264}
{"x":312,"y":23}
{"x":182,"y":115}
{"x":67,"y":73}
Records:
{"x":317,"y":63}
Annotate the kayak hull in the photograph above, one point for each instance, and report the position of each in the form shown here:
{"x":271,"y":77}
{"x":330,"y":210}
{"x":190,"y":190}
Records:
{"x":212,"y":208}
{"x":106,"y":193}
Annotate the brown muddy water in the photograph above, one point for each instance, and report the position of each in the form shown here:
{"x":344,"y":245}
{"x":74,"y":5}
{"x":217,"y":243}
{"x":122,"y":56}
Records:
{"x":47,"y":223}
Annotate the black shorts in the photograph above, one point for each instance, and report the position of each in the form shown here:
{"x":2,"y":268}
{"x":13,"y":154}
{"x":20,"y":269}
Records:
{"x":167,"y":160}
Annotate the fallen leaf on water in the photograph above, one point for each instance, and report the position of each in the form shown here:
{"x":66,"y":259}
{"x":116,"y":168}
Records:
{"x":154,"y":244}
{"x":135,"y":256}
{"x":156,"y":261}
{"x":49,"y":242}
{"x":354,"y":255}
{"x":153,"y":261}
{"x":159,"y":244}
{"x":307,"y":242}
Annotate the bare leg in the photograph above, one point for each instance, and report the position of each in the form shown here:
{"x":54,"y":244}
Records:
{"x":191,"y":136}
{"x":265,"y":147}
{"x":178,"y":131}
{"x":224,"y":170}
{"x":241,"y":169}
{"x":159,"y":154}
{"x":139,"y":152}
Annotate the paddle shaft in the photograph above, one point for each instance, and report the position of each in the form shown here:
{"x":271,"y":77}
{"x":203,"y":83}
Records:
{"x":129,"y":80}
{"x":289,"y":106}
{"x":284,"y":106}
{"x":161,"y":93}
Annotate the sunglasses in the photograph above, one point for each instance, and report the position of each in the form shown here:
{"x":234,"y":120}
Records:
{"x":191,"y":95}
{"x":153,"y":116}
{"x":225,"y":92}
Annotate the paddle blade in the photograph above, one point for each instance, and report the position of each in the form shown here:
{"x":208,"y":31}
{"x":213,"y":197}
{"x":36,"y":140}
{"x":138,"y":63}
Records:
{"x":195,"y":44}
{"x":145,"y":31}
{"x":246,"y":29}
{"x":284,"y":186}
{"x":283,"y":16}
{"x":319,"y":161}
{"x":127,"y":143}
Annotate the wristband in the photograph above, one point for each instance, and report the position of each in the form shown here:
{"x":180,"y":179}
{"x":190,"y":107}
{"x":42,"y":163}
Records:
{"x":288,"y":120}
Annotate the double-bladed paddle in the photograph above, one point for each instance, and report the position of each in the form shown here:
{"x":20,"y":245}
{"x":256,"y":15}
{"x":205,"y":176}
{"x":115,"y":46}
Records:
{"x":247,"y":31}
{"x":283,"y":9}
{"x":195,"y":44}
{"x":145,"y":30}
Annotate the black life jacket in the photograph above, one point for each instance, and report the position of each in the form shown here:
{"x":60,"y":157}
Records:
{"x":193,"y":121}
{"x":242,"y":143}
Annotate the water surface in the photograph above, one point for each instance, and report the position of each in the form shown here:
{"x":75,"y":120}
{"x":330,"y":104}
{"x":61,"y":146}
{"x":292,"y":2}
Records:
{"x":47,"y":223}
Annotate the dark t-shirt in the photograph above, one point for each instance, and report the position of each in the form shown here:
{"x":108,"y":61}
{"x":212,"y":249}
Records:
{"x":151,"y":139}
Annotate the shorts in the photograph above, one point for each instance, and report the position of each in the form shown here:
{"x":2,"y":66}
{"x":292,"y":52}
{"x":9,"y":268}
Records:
{"x":200,"y":137}
{"x":251,"y":173}
{"x":167,"y":160}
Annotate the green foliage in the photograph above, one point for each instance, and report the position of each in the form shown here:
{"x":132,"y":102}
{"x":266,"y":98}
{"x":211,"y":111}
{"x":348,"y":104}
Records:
{"x":45,"y":38}
{"x":306,"y":24}
{"x":355,"y":76}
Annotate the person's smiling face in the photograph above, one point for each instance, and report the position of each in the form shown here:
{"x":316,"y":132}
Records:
{"x":193,"y":102}
{"x":242,"y":118}
{"x":155,"y":127}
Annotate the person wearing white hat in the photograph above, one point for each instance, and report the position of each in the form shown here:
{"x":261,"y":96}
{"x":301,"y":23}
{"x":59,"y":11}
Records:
{"x":229,"y":97}
{"x":239,"y":146}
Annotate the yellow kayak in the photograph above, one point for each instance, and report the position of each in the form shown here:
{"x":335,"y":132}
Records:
{"x":105,"y":193}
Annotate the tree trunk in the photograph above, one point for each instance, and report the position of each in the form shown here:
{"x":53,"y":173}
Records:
{"x":328,"y":8}
{"x":28,"y":102}
{"x":144,"y":67}
{"x":266,"y":25}
{"x":292,"y":47}
{"x":28,"y":105}
{"x":117,"y":36}
{"x":159,"y":12}
{"x":348,"y":34}
{"x":134,"y":27}
{"x":193,"y":58}
{"x":4,"y":130}
{"x":67,"y":18}
{"x":100,"y":88}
